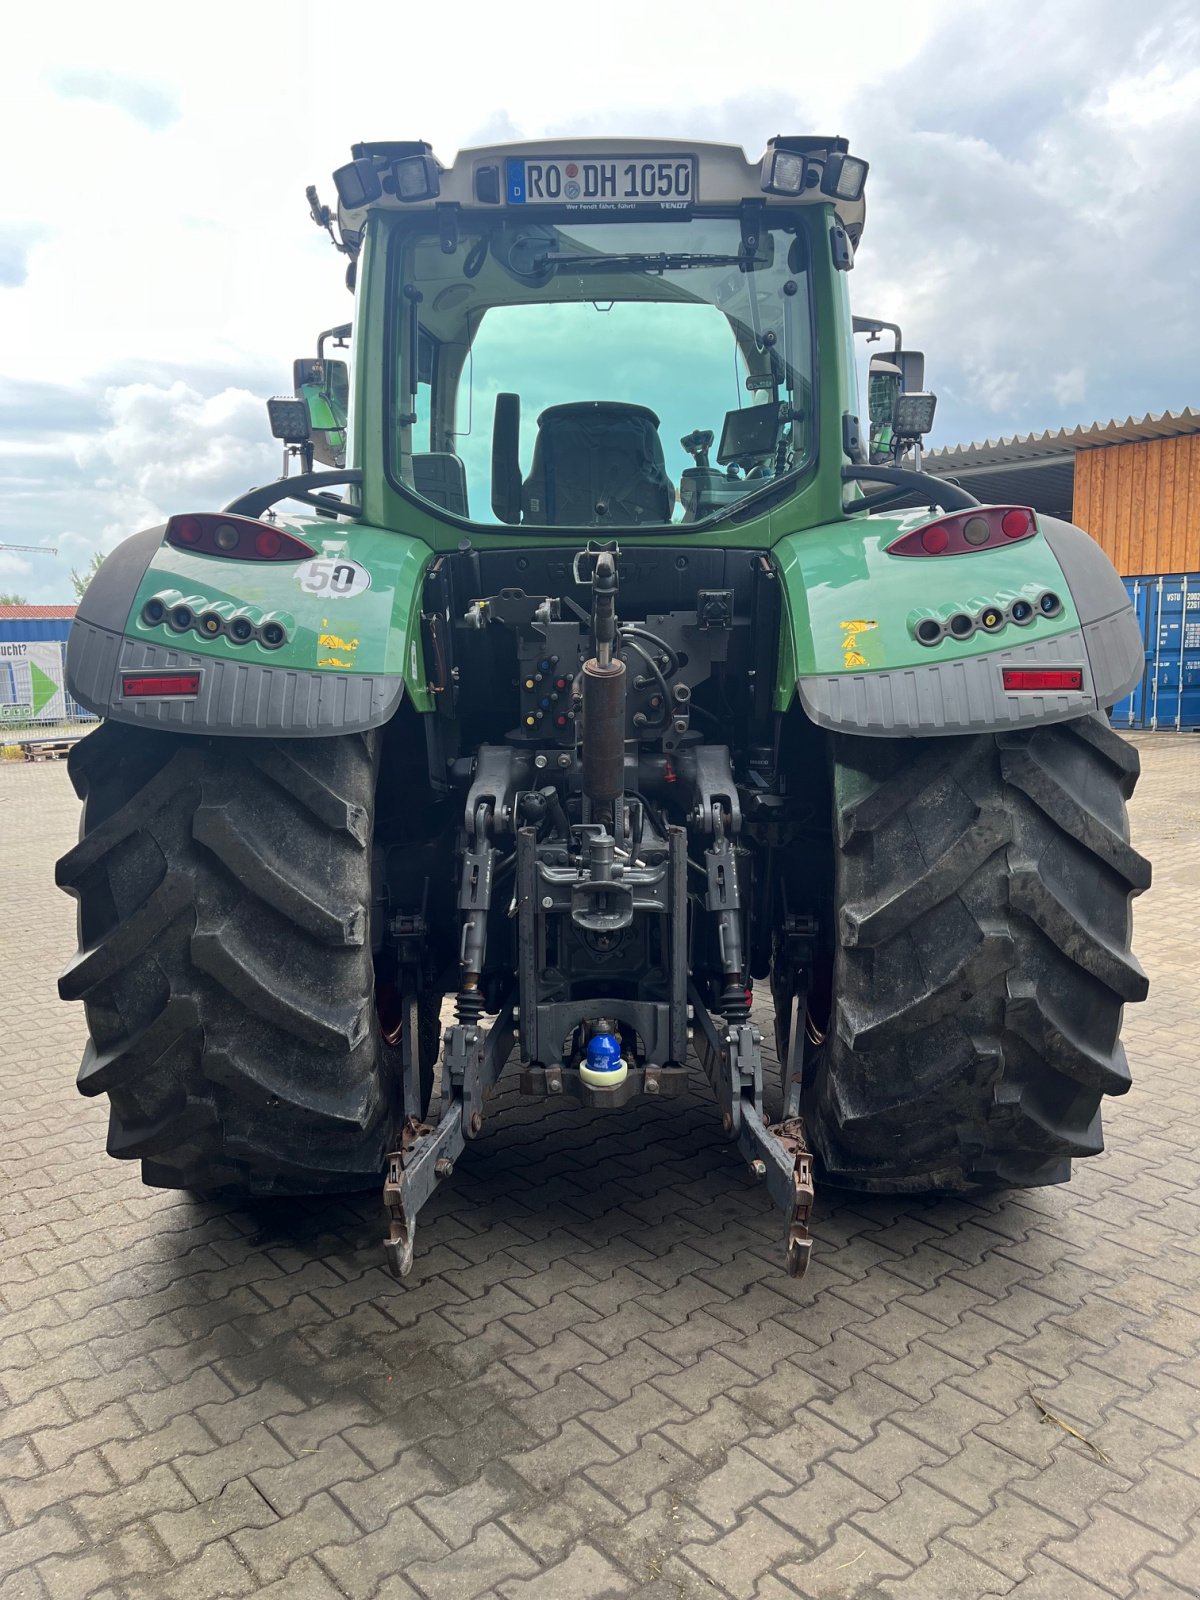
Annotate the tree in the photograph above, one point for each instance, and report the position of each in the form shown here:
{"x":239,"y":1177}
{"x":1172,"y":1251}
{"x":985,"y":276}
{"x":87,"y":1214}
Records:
{"x":80,"y":580}
{"x":13,"y":600}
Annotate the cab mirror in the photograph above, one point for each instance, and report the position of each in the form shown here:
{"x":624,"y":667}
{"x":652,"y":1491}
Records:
{"x":883,"y":386}
{"x":912,"y":369}
{"x":325,"y":386}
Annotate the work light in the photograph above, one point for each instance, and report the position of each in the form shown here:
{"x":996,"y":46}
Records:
{"x":913,"y":415}
{"x":784,"y":172}
{"x":357,"y":184}
{"x":416,"y":178}
{"x":289,"y":419}
{"x":843,"y":177}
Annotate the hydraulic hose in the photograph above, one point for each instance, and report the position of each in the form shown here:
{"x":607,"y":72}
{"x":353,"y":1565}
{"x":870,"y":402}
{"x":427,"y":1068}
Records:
{"x":664,"y":720}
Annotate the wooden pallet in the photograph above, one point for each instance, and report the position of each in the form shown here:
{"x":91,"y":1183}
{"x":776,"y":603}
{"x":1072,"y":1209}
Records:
{"x":47,"y":749}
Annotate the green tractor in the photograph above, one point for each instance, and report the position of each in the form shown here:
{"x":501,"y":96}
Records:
{"x":608,"y":668}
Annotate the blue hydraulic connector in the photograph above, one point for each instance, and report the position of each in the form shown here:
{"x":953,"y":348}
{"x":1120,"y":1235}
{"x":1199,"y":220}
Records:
{"x":603,"y":1066}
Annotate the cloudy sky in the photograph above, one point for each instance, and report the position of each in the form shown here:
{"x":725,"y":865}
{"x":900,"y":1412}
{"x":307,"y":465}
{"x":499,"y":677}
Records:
{"x":1032,"y":205}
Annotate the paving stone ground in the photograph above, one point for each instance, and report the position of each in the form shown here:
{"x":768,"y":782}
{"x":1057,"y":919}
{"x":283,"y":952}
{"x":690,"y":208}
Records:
{"x":598,"y":1380}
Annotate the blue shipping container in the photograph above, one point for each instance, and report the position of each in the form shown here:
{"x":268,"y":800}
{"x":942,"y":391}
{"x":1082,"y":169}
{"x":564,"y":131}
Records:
{"x":35,"y":628}
{"x":1168,"y":613}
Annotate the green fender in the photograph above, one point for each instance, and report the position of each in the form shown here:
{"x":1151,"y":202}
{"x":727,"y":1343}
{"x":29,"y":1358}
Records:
{"x":849,"y":647}
{"x":351,"y":618}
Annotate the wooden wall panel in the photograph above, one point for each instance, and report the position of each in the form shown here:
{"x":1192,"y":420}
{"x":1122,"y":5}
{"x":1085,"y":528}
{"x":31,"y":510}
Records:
{"x":1123,"y":505}
{"x":1083,"y":511}
{"x":1139,"y":477}
{"x":1166,"y":515}
{"x":1089,"y":469}
{"x":1141,"y":503}
{"x":1187,"y":509}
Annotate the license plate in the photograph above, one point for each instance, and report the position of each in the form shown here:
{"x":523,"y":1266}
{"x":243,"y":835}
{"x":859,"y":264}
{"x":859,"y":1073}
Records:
{"x":601,"y":180}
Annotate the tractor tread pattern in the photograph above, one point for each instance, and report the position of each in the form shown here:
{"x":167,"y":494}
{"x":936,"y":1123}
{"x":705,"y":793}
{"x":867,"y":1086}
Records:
{"x":223,"y":890}
{"x":229,"y":832}
{"x":984,"y":887}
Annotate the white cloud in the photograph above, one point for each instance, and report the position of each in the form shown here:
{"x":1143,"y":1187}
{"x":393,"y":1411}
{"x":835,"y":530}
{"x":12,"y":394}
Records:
{"x":170,"y":448}
{"x":13,"y":566}
{"x":14,"y":256}
{"x":145,"y":102}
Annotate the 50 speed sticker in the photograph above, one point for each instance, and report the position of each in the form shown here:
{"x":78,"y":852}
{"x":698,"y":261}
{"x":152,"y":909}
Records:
{"x":333,"y":576}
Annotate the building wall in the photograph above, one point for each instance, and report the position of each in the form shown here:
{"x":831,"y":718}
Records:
{"x":1141,"y":502}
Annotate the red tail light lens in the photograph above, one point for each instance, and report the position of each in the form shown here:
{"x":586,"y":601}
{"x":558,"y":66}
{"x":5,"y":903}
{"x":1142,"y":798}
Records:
{"x":1052,"y":678}
{"x":967,"y":532}
{"x":242,"y":538}
{"x":168,"y":683}
{"x":1015,"y":524}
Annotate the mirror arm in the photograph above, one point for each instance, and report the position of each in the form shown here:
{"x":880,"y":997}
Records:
{"x":339,"y":335}
{"x":874,"y":326}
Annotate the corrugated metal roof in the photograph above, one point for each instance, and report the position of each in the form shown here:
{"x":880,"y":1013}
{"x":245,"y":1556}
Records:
{"x":36,"y":613}
{"x":1022,"y":447}
{"x":1047,"y":484}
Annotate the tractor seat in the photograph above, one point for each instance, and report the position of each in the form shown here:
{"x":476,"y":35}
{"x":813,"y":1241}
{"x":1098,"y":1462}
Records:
{"x":597,"y":463}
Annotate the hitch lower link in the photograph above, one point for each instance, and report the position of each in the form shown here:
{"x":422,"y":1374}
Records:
{"x":730,"y":1046}
{"x":777,"y":1154}
{"x":473,"y":1056}
{"x":473,"y":1059}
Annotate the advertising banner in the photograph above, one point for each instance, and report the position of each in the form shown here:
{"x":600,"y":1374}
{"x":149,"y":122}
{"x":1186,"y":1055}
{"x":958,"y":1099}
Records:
{"x":31,"y":681}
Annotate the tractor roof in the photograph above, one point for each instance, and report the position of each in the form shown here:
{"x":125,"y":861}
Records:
{"x":602,"y":179}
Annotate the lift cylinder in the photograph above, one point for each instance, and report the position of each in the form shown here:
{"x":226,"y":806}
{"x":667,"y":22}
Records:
{"x":603,"y":731}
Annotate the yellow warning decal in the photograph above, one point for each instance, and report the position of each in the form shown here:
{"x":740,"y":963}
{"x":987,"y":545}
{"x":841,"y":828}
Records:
{"x":851,"y":630}
{"x":330,"y":641}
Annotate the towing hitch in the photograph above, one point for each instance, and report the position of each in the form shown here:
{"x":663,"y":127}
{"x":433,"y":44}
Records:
{"x":777,"y":1155}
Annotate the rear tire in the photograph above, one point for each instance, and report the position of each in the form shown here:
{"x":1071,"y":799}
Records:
{"x":224,"y":891}
{"x":983,"y":889}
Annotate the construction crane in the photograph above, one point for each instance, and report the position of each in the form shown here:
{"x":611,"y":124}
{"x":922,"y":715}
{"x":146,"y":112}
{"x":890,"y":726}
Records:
{"x":33,"y":549}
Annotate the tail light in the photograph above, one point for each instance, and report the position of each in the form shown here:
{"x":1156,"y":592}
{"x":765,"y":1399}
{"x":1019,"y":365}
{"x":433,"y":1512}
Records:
{"x":1042,"y":678}
{"x":244,"y":538}
{"x":967,"y":531}
{"x":158,"y":684}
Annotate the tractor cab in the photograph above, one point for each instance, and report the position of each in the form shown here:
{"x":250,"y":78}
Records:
{"x":620,"y":336}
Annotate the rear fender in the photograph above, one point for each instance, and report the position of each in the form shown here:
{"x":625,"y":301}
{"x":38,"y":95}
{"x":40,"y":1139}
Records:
{"x":351,"y":651}
{"x":850,"y":651}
